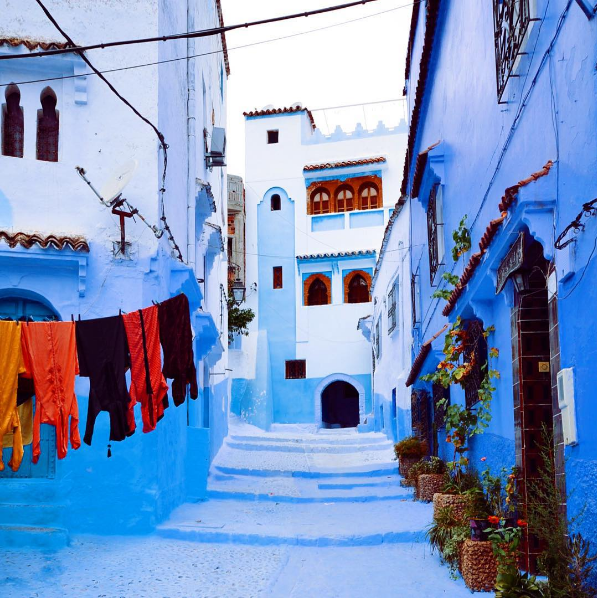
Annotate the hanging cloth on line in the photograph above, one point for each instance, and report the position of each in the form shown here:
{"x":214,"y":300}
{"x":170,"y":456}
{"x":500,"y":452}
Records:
{"x":50,"y":356}
{"x":11,"y":365}
{"x":148,"y":386}
{"x":177,"y":342}
{"x":104,"y":359}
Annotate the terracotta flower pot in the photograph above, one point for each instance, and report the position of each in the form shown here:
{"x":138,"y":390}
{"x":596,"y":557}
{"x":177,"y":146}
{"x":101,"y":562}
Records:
{"x":405,"y":462}
{"x":456,"y":501}
{"x":429,"y":484}
{"x":479,"y":566}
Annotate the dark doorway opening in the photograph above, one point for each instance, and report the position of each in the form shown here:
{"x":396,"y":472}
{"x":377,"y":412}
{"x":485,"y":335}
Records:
{"x":340,"y":405}
{"x":535,"y":345}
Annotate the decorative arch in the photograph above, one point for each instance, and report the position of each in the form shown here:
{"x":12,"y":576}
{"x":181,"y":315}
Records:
{"x":320,"y":201}
{"x":326,"y":280}
{"x":338,"y":378}
{"x":268,"y":195}
{"x":13,"y":124}
{"x":28,"y":296}
{"x":344,"y":199}
{"x":349,"y":278}
{"x":48,"y":126}
{"x":369,"y":196}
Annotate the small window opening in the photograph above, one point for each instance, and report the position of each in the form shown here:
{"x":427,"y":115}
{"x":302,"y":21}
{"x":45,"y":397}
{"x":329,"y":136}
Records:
{"x":47,"y":127}
{"x":13,"y":128}
{"x":277,"y":270}
{"x":296,"y":368}
{"x":276,"y":202}
{"x":272,"y":136}
{"x":358,"y":290}
{"x":318,"y":293}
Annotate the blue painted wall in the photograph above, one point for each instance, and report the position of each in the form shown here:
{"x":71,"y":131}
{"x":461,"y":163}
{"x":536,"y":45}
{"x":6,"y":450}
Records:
{"x":487,"y":147}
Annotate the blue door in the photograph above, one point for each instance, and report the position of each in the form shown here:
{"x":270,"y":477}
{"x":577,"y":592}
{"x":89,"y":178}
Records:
{"x":15,"y":308}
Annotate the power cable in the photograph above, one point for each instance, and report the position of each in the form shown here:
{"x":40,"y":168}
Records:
{"x":143,"y":118}
{"x":241,"y":47}
{"x":187,"y":35}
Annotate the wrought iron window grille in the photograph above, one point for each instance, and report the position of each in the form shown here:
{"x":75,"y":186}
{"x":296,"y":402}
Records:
{"x":434,"y":230}
{"x":414,"y":296}
{"x":392,"y":308}
{"x":511,"y":20}
{"x":476,"y":354}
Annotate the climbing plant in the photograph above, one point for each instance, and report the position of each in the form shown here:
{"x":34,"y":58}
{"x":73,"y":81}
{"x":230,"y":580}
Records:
{"x":463,"y":423}
{"x":462,"y":243}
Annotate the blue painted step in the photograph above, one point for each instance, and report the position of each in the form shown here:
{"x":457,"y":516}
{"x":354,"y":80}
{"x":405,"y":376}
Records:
{"x":355,"y":440}
{"x":380,"y":470}
{"x":31,"y":514}
{"x":306,"y":447}
{"x":18,"y":536}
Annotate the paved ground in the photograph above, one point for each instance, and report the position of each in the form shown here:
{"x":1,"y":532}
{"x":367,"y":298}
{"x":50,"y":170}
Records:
{"x":153,"y":566}
{"x":291,"y":514}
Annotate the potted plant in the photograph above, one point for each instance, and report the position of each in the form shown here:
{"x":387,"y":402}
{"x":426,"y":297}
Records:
{"x":496,"y":501}
{"x":408,"y":451}
{"x":428,"y":477}
{"x":446,"y":534}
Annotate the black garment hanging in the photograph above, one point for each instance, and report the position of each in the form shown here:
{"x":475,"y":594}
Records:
{"x":176,"y":337}
{"x":104,"y":358}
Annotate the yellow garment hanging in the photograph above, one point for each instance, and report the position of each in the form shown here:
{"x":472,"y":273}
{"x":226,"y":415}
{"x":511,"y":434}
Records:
{"x":26,"y":419}
{"x":11,"y":365}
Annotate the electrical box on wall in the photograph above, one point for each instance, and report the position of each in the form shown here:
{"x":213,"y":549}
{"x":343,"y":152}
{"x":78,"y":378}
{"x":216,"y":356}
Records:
{"x":567,"y":405}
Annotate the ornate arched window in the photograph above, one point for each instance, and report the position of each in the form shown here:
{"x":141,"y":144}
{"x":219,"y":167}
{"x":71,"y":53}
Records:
{"x":320,"y":201}
{"x":358,"y":290}
{"x":318,"y":293}
{"x":344,"y":199}
{"x":276,"y":202}
{"x":369,"y":195}
{"x":47,"y":127}
{"x":13,"y":128}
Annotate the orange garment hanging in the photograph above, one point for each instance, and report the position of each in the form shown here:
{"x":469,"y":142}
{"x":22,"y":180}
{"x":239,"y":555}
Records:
{"x":50,"y":354}
{"x":11,"y":365}
{"x":148,"y":385}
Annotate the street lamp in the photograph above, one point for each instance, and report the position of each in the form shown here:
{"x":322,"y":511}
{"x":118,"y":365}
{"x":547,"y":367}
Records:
{"x":238,"y":291}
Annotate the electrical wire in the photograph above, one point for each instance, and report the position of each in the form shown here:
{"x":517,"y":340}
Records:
{"x":219,"y":51}
{"x":187,"y":35}
{"x":583,"y":272}
{"x":160,"y":136}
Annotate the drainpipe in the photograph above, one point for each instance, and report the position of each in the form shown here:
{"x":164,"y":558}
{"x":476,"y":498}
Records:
{"x":191,"y":138}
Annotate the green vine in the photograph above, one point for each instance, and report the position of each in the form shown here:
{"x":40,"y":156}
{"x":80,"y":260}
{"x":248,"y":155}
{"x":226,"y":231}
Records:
{"x":462,"y":239}
{"x":462,"y":243}
{"x":462,"y":423}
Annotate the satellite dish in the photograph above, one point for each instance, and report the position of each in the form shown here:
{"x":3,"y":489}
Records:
{"x":118,"y":181}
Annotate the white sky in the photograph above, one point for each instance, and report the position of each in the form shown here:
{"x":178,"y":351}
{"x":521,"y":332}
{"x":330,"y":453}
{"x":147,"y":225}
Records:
{"x":352,"y":63}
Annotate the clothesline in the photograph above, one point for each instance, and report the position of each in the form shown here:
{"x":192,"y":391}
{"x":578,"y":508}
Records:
{"x":42,"y":359}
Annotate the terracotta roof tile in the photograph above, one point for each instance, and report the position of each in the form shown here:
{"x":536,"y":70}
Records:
{"x":32,"y":44}
{"x":345,"y":163}
{"x":508,"y":199}
{"x":421,"y":357}
{"x":318,"y":256}
{"x":269,"y":111}
{"x":223,"y":37}
{"x":28,"y":240}
{"x":420,"y":169}
{"x":428,"y":39}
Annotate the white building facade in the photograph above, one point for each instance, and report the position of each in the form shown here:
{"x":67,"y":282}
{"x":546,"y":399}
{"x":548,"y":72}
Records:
{"x":60,"y":247}
{"x":317,"y":207}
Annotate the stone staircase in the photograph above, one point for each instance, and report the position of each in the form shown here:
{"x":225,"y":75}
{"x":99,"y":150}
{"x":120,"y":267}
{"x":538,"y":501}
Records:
{"x":27,"y":506}
{"x":292,"y":486}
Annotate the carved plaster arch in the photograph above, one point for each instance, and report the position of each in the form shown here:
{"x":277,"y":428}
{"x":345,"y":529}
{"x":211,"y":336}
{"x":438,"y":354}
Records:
{"x":338,"y":378}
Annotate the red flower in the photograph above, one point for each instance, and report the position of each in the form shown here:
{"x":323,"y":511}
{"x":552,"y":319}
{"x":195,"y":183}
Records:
{"x":493,"y":519}
{"x":522,"y":523}
{"x":448,"y":439}
{"x":483,"y":458}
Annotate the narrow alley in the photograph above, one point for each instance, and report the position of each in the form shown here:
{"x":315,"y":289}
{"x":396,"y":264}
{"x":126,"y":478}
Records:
{"x":289,"y":513}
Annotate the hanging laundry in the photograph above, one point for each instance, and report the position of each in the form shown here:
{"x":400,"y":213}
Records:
{"x":104,"y":359}
{"x":148,"y":385}
{"x":177,"y":342}
{"x":50,"y":356}
{"x":11,"y":365}
{"x":25,"y":411}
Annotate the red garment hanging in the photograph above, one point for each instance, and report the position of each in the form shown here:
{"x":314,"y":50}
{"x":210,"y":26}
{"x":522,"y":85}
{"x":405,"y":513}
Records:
{"x":148,"y":385}
{"x":50,"y":356}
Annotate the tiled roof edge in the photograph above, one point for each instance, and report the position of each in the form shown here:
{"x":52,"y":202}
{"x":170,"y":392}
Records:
{"x":345,"y":163}
{"x":27,"y":240}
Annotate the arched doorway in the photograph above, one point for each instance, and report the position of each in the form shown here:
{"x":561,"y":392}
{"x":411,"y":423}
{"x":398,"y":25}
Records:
{"x":340,"y":405}
{"x":31,"y":309}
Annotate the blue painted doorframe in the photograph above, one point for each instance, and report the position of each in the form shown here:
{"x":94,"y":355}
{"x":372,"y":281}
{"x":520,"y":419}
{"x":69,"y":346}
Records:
{"x":15,"y":308}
